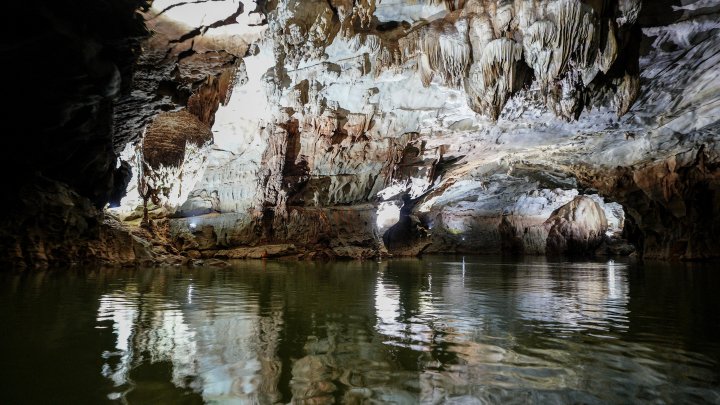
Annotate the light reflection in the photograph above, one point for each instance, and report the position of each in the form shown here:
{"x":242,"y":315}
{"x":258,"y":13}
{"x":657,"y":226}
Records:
{"x":388,"y":214}
{"x":414,"y":331}
{"x":218,"y":347}
{"x":597,"y":299}
{"x":387,"y":310}
{"x":123,"y":314}
{"x":454,"y":320}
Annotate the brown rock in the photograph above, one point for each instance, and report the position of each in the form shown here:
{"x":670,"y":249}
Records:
{"x":168,"y":135}
{"x":672,"y":205}
{"x":257,"y":252}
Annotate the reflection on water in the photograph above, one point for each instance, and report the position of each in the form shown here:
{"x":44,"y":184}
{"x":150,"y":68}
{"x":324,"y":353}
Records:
{"x":215,"y":340}
{"x":466,"y":330}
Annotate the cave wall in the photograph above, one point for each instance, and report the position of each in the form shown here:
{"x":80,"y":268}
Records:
{"x":471,"y":108}
{"x":673,"y":203}
{"x":492,"y":114}
{"x":75,"y":58}
{"x":67,"y":62}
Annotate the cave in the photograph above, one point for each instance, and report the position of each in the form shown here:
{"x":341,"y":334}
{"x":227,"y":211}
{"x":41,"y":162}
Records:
{"x":362,"y":201}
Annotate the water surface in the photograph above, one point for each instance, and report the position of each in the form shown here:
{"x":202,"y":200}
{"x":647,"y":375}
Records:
{"x":437,"y":330}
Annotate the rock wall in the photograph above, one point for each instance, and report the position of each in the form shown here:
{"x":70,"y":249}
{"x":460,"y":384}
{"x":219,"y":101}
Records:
{"x":489,"y":115}
{"x":66,"y":63}
{"x":673,"y":204}
{"x":475,"y":119}
{"x":324,"y":232}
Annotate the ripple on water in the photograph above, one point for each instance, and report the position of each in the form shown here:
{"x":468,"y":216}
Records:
{"x":433,"y":330}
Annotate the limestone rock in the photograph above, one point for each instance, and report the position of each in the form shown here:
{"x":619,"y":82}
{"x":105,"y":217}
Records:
{"x":576,"y":228}
{"x":489,"y":114}
{"x":672,"y":205}
{"x":174,"y":154}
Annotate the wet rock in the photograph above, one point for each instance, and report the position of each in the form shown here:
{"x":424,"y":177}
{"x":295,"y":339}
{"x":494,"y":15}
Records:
{"x":258,"y":252}
{"x":61,"y":227}
{"x":355,"y":252}
{"x":614,"y":246}
{"x":350,"y":230}
{"x":212,"y":263}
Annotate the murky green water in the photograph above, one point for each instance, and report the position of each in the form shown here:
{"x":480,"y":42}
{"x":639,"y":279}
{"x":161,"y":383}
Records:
{"x":437,"y":330}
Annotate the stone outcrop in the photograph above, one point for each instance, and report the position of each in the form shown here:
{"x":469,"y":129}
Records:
{"x":60,"y":227}
{"x":576,"y":228}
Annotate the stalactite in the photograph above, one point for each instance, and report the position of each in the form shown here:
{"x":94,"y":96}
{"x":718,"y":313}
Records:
{"x":374,"y":43}
{"x":363,"y":13}
{"x":491,"y":80}
{"x":409,"y":45}
{"x":627,"y":93}
{"x":629,"y":10}
{"x":480,"y":33}
{"x":447,"y":51}
{"x":538,"y":47}
{"x":475,"y":7}
{"x":504,"y":15}
{"x":424,"y":69}
{"x":575,"y":36}
{"x":476,"y":45}
{"x":609,"y":54}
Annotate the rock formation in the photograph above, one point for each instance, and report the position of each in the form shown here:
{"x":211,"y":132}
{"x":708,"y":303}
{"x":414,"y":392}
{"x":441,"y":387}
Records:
{"x":489,"y":115}
{"x":576,"y":228}
{"x":172,"y":158}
